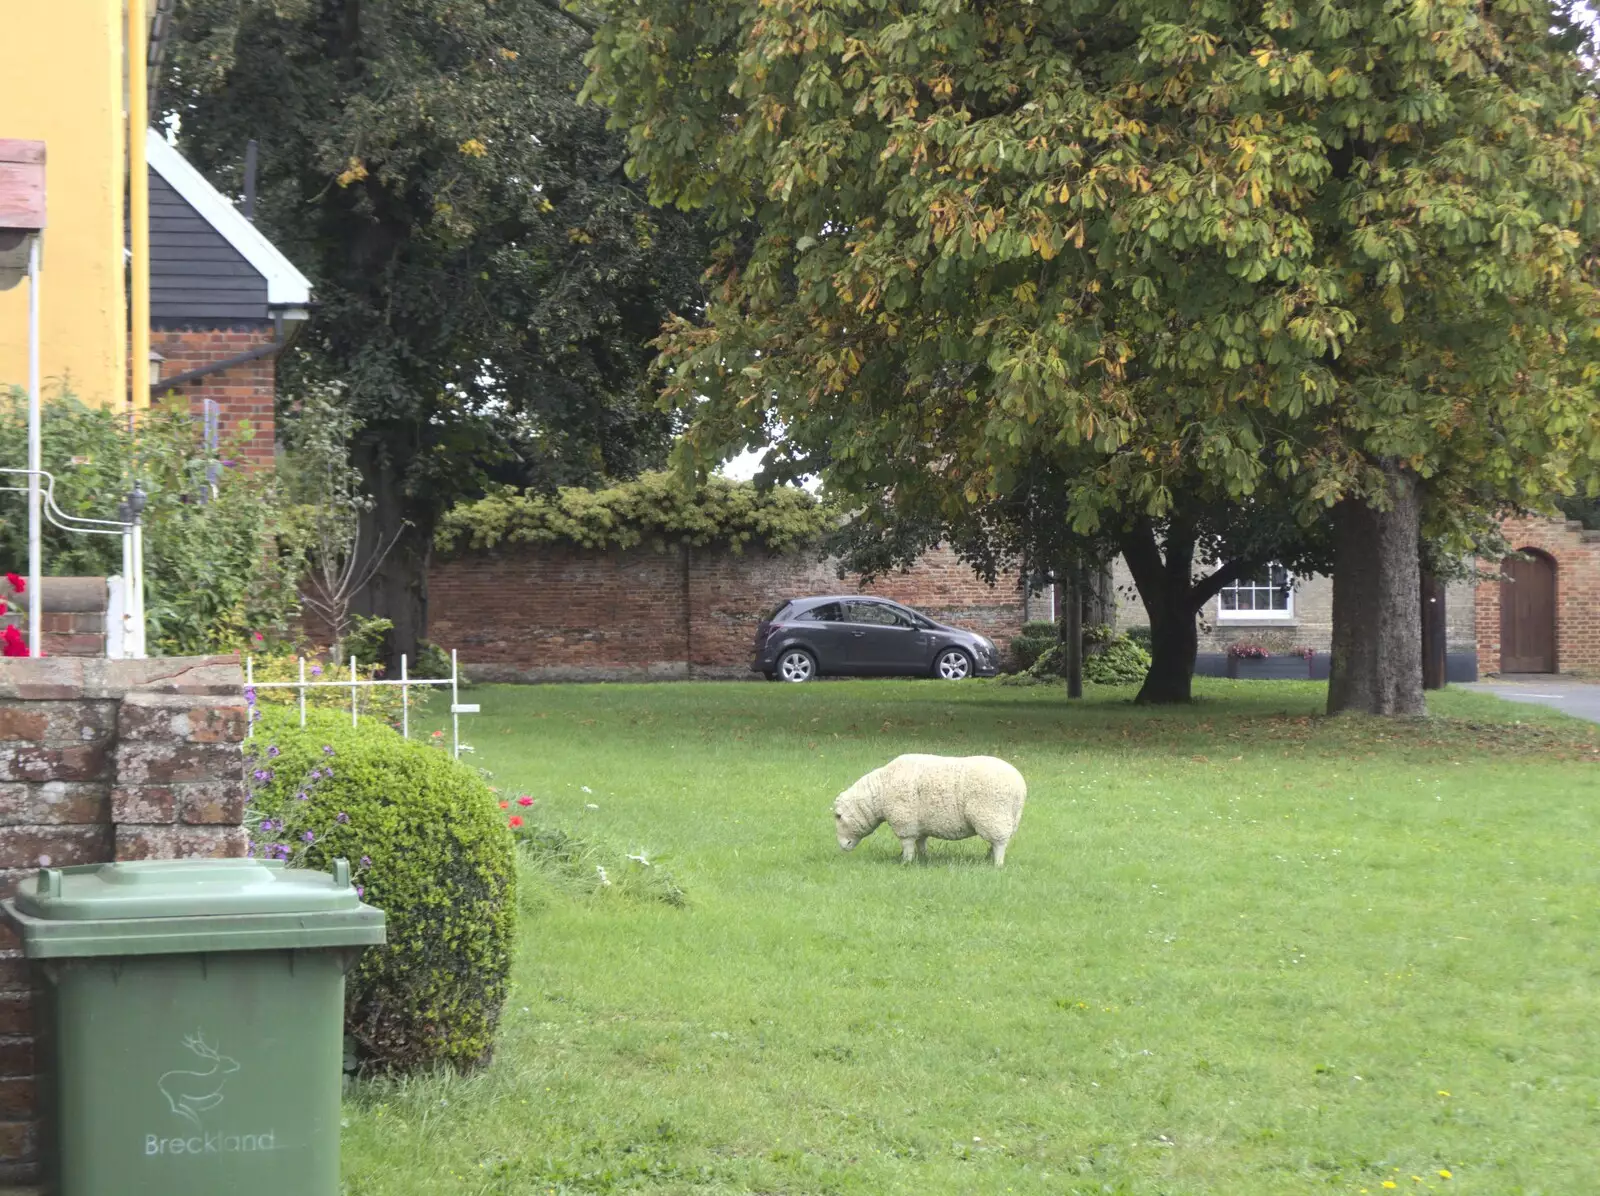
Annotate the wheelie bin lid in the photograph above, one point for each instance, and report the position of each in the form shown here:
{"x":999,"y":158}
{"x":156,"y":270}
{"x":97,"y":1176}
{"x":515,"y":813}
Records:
{"x":165,"y":907}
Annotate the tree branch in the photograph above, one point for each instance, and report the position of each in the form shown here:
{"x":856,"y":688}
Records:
{"x":583,"y":23}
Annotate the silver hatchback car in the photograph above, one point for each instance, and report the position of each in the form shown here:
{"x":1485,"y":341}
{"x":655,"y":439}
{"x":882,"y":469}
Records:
{"x":855,"y":636}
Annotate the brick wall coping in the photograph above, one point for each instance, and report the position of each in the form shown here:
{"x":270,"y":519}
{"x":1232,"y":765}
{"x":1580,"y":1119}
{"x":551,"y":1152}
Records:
{"x":63,"y":677}
{"x":72,"y":594}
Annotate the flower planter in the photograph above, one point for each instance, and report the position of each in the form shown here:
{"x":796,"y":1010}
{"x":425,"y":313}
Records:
{"x":1270,"y":668}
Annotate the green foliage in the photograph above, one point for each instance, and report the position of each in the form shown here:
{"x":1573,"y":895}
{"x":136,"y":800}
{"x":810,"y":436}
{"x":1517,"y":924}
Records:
{"x":433,"y":853}
{"x":1120,"y":662}
{"x":655,"y":509}
{"x":1039,"y":628}
{"x":1174,"y":252}
{"x":369,"y":640}
{"x":487,"y":275}
{"x":222,"y":550}
{"x":1026,"y":649}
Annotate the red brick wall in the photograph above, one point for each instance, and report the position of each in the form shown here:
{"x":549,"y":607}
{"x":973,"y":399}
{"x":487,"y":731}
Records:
{"x":1576,"y":553}
{"x":546,"y":613}
{"x":243,"y":392}
{"x":103,"y":760}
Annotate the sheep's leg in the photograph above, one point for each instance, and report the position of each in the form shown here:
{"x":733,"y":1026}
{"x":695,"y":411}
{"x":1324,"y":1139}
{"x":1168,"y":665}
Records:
{"x":997,"y":853}
{"x":908,"y":850}
{"x":922,"y":847}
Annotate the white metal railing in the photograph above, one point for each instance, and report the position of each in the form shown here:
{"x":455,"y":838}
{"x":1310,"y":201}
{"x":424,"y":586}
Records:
{"x":132,"y":533}
{"x":355,"y":685}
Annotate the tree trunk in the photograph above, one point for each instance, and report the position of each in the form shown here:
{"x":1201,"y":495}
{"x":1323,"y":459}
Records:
{"x":1072,"y":626}
{"x":1099,"y":597}
{"x":1434,"y":645}
{"x":1376,"y":665}
{"x":1169,"y":596}
{"x":398,"y":591}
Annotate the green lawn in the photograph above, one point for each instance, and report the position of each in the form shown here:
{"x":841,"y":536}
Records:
{"x":1236,"y":948}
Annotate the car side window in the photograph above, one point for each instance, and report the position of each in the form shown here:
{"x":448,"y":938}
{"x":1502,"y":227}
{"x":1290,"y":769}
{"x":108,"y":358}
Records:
{"x":828,"y":612}
{"x":876,"y":614}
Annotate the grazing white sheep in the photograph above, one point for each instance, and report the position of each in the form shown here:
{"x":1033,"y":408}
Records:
{"x":934,"y":797}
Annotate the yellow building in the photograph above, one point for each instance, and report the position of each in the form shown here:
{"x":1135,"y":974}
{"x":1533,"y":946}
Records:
{"x":66,"y":89}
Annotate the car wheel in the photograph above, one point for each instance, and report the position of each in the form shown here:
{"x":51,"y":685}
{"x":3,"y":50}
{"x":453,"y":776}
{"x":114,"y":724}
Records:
{"x":796,"y":665}
{"x":952,"y":665}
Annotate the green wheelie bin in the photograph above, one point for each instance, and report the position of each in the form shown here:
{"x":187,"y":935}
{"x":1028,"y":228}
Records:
{"x":192,"y":1024}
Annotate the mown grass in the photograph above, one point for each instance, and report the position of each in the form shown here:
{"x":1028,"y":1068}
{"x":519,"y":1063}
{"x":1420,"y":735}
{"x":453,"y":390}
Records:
{"x":1236,"y":948}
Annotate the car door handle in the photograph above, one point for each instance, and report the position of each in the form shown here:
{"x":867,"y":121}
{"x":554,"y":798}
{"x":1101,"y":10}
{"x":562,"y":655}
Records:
{"x":858,"y":634}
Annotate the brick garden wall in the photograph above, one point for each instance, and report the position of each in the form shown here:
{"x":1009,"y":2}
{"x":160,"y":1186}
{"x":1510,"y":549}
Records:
{"x":104,"y":760}
{"x":544,"y":613}
{"x":1576,"y":553}
{"x":74,"y":615}
{"x":243,"y":392}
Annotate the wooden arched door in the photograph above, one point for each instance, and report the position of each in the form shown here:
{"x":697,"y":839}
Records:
{"x":1528,"y":614}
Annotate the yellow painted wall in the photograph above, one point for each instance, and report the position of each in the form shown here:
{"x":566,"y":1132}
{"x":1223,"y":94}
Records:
{"x":62,"y":84}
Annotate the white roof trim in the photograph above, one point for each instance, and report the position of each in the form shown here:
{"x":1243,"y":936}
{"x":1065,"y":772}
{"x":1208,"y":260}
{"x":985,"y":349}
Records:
{"x":286,"y":286}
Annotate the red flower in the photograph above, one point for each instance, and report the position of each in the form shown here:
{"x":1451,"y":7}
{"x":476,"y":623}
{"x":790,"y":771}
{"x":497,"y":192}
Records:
{"x":259,"y":637}
{"x":504,"y":804}
{"x":516,"y":820}
{"x":524,"y":801}
{"x":14,"y":644}
{"x":17,"y":583}
{"x":3,"y":608}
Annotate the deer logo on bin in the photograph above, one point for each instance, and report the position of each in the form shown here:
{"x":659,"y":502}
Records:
{"x":197,"y":1091}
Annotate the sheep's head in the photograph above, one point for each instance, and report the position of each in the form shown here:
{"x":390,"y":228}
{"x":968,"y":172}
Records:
{"x":853,"y":818}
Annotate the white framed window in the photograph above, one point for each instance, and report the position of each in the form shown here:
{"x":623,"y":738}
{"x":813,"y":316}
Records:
{"x":1265,"y":597}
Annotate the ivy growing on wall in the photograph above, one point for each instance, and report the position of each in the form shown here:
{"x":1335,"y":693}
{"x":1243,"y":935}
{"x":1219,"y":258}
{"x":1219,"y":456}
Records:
{"x":654,"y":509}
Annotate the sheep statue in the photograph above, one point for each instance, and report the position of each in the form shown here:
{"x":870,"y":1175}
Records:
{"x":934,"y":797}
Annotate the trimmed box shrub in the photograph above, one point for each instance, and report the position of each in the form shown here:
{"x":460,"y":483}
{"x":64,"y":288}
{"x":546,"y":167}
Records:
{"x":430,"y":847}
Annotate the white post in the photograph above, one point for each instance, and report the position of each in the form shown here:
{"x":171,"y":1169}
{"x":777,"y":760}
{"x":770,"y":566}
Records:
{"x":302,"y":691}
{"x":405,"y":701}
{"x":455,"y":712}
{"x":138,"y":589}
{"x":35,"y":523}
{"x":250,"y":707}
{"x":129,"y":605}
{"x":352,"y":690}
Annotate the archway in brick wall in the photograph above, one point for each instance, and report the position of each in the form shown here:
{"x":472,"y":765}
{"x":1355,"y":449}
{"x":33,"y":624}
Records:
{"x":1528,"y":613}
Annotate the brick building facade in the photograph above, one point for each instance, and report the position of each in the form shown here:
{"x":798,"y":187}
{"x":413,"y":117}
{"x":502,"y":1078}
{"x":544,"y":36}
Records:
{"x":242,"y":392}
{"x":545,"y":613}
{"x":1561,"y":626}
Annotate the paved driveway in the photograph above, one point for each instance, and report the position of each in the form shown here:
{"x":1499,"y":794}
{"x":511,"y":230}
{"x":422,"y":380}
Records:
{"x":1577,"y":698}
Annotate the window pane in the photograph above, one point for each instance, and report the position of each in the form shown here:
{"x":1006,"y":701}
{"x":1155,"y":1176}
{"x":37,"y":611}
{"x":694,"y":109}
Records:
{"x":828,"y":612}
{"x":1230,"y":598}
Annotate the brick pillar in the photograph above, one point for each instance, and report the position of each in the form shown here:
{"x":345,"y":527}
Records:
{"x":74,"y":615}
{"x":103,"y":760}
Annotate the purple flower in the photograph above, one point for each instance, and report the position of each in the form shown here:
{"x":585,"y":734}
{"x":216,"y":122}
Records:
{"x":263,"y":774}
{"x":366,"y":861}
{"x":343,"y":817}
{"x":303,"y":795}
{"x":250,"y":852}
{"x":316,"y":774}
{"x":360,"y":891}
{"x":309,"y":837}
{"x":316,"y":670}
{"x":328,"y":772}
{"x":273,"y":752}
{"x":249,"y":695}
{"x":255,"y":715}
{"x":327,"y":749}
{"x":266,"y":824}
